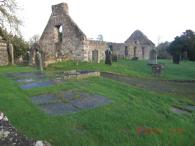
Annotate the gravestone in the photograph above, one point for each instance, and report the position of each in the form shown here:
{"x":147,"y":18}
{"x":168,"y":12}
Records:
{"x":3,"y":53}
{"x":114,"y":57}
{"x":11,"y":53}
{"x":28,"y":57}
{"x":108,"y":59}
{"x":34,"y":60}
{"x":152,"y":57}
{"x":39,"y":61}
{"x":157,"y":69}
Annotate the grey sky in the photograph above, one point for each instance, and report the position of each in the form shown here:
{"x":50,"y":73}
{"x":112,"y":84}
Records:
{"x":115,"y":19}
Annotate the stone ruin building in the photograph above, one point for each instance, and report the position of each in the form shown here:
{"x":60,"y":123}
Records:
{"x":62,"y":39}
{"x":137,"y":45}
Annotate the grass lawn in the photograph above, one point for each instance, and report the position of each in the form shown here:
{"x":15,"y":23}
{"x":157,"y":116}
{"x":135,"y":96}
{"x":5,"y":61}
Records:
{"x":135,"y":117}
{"x":183,"y":71}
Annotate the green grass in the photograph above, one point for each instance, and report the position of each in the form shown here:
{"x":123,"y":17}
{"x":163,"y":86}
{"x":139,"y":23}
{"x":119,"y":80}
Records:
{"x":115,"y":124}
{"x":183,"y":71}
{"x":16,"y":68}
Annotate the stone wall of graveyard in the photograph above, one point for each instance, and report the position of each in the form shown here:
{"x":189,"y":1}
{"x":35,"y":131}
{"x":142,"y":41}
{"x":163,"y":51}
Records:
{"x":3,"y":53}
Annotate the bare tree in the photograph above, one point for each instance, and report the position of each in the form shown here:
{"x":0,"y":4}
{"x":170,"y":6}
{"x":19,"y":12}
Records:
{"x":100,"y":37}
{"x":8,"y":18}
{"x":34,"y":39}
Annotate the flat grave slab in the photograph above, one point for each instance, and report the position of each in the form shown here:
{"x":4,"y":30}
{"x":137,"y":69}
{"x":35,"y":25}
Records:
{"x":30,"y":80}
{"x":21,"y":75}
{"x":44,"y":99}
{"x":25,"y":80}
{"x":58,"y":108}
{"x":190,"y":107}
{"x":72,"y":95}
{"x":68,"y":102}
{"x":90,"y":102}
{"x":25,"y":77}
{"x":179,"y":111}
{"x":37,"y":84}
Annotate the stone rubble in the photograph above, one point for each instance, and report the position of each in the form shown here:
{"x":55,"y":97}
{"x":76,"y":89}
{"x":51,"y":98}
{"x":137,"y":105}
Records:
{"x":9,"y":136}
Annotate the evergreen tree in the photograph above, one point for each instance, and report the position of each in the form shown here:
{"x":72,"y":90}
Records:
{"x":20,"y":46}
{"x":183,"y":47}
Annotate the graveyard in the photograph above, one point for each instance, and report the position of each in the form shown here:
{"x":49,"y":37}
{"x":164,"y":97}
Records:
{"x":61,"y":87}
{"x":125,"y":104}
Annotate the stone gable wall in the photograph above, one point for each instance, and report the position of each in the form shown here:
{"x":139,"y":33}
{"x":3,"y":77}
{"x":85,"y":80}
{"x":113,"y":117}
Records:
{"x":72,"y":39}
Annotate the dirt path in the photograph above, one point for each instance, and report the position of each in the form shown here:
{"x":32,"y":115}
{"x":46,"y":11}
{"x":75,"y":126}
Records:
{"x":186,"y":89}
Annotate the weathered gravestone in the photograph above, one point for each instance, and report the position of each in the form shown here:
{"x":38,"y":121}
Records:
{"x":39,"y":61}
{"x":3,"y":53}
{"x":108,"y":59}
{"x":152,"y":57}
{"x":11,"y":53}
{"x":114,"y":57}
{"x":157,"y":69}
{"x":28,"y":57}
{"x":33,"y":60}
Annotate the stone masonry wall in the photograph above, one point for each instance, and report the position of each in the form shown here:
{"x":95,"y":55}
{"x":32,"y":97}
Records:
{"x":90,"y":46}
{"x":141,"y":51}
{"x":64,"y":45}
{"x":117,"y":48}
{"x":3,"y":53}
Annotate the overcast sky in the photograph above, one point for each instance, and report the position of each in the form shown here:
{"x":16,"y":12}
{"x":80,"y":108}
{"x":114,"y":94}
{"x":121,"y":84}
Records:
{"x":115,"y":19}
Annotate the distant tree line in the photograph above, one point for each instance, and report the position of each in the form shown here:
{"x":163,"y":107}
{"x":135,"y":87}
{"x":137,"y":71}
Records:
{"x":181,"y":48}
{"x":9,"y":27}
{"x":19,"y":44}
{"x":163,"y":51}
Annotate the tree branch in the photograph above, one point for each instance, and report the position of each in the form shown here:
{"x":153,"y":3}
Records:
{"x":7,"y":14}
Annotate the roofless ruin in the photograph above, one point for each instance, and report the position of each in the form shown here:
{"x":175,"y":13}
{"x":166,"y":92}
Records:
{"x":62,"y":39}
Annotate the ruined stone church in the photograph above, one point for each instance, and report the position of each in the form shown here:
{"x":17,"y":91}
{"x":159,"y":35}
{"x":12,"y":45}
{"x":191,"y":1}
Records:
{"x":62,"y":39}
